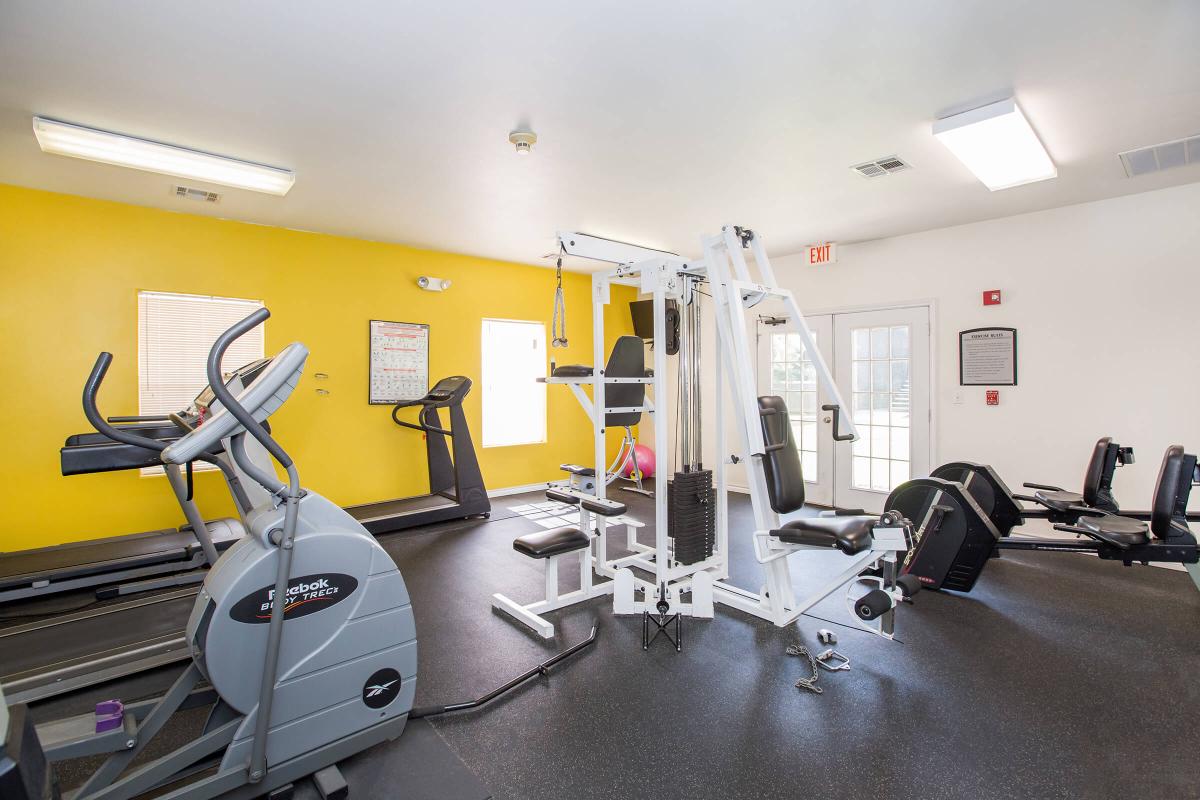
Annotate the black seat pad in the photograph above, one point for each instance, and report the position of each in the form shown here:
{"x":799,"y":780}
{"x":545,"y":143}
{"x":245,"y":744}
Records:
{"x":562,"y":497}
{"x":609,"y":508}
{"x":1060,"y":500}
{"x":571,"y":371}
{"x":1120,"y":529}
{"x":849,"y":534}
{"x":554,"y":542}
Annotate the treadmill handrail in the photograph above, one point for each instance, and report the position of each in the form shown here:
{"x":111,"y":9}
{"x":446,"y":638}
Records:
{"x":423,"y":426}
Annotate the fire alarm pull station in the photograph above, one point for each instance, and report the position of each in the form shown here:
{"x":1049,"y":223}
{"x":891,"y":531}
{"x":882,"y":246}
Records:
{"x":993,"y":397}
{"x":991,"y":297}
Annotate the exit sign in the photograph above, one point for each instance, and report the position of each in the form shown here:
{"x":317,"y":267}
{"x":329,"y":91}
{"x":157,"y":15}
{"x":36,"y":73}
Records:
{"x":822,"y":253}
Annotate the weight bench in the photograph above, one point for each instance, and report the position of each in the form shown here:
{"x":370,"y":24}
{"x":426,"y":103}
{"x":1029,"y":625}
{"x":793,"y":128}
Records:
{"x":553,"y":545}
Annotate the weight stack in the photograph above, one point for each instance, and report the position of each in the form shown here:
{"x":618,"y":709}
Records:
{"x":691,"y":515}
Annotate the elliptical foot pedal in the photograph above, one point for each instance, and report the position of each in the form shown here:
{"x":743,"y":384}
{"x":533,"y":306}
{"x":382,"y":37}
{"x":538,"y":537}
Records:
{"x":331,"y":784}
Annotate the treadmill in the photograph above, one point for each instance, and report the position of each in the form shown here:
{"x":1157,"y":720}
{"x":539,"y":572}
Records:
{"x":141,"y":561}
{"x":68,"y":651}
{"x":456,"y":489}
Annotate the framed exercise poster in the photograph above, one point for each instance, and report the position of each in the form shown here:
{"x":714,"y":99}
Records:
{"x":987,"y":357}
{"x":399,"y":361}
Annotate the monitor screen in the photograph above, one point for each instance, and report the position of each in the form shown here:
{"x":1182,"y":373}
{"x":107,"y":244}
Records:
{"x":642,"y":312}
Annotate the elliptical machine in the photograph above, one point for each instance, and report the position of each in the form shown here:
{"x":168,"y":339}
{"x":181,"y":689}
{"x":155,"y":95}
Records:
{"x":283,"y":703}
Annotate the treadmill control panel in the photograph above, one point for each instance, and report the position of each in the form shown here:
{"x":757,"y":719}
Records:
{"x":448,"y":391}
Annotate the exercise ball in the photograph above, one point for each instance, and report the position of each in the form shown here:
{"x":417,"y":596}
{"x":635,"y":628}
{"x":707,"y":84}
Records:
{"x":644,"y":457}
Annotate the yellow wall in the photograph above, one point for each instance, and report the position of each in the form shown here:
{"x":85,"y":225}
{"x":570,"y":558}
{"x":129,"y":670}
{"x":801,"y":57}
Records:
{"x":71,"y":268}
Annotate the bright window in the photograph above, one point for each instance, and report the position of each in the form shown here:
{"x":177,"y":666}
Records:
{"x":175,"y":333}
{"x":514,"y":403}
{"x":881,"y":396}
{"x":794,"y":378}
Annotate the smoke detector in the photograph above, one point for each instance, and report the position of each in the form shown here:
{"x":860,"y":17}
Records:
{"x":523,"y":141}
{"x":881,"y":166}
{"x":199,"y":195}
{"x":1158,"y":157}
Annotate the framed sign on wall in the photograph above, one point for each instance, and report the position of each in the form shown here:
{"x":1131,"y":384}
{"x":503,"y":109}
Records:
{"x":399,"y":362}
{"x":987,"y":357}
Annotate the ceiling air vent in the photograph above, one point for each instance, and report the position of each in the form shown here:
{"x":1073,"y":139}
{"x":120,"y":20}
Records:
{"x":199,"y":195}
{"x":1158,"y":157}
{"x":880,"y":167}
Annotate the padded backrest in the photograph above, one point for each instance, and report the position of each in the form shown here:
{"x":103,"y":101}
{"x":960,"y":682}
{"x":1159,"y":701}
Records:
{"x":1097,"y":480}
{"x":781,"y":461}
{"x":627,"y":360}
{"x":1172,"y":490}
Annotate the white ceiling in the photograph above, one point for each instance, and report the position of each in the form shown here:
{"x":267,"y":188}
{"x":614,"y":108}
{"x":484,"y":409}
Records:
{"x":657,"y":121}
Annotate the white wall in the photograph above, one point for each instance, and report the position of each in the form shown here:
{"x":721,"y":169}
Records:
{"x":1103,"y":296}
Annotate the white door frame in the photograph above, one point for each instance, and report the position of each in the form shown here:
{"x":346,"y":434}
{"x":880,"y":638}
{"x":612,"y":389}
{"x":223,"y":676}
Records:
{"x":931,"y":304}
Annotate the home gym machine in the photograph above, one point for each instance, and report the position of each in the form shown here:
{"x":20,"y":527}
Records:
{"x":303,"y":639}
{"x":952,"y":556}
{"x":456,"y":489}
{"x":137,"y":562}
{"x":690,"y":553}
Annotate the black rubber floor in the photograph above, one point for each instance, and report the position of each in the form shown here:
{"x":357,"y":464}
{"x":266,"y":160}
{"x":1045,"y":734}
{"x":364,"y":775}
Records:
{"x":1059,"y":676}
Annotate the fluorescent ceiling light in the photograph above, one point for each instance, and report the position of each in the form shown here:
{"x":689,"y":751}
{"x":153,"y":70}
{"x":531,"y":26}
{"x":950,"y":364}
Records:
{"x":76,"y":141}
{"x":997,"y":143}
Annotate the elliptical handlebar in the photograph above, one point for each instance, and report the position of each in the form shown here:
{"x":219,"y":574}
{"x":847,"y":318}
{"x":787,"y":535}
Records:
{"x":228,"y":401}
{"x":92,"y":412}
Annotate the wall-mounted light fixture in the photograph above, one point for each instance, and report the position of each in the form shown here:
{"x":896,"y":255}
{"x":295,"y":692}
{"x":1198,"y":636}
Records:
{"x":433,"y":284}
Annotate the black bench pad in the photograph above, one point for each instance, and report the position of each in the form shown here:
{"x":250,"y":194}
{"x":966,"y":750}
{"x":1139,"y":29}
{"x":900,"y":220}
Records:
{"x":576,"y":469}
{"x":610,"y":508}
{"x":1058,"y":501}
{"x":561,"y":496}
{"x":571,"y":371}
{"x":1118,"y":529}
{"x":849,"y":534}
{"x":554,"y":542}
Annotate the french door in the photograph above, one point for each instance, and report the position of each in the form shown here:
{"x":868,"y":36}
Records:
{"x":880,"y":362}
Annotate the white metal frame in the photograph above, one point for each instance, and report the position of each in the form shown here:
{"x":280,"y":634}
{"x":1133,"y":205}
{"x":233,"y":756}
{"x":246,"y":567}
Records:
{"x":661,"y":275}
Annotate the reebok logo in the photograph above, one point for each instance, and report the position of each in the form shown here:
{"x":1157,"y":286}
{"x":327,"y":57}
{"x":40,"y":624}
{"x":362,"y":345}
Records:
{"x":381,"y":688}
{"x":305,"y":595}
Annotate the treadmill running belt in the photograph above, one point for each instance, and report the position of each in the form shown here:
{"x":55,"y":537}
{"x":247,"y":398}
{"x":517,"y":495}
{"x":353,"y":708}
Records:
{"x":89,"y":558}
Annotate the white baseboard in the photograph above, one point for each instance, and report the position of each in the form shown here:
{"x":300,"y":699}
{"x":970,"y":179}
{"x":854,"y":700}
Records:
{"x":529,"y":487}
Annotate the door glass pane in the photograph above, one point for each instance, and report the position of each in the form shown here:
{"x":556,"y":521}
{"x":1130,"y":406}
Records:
{"x":794,"y":378}
{"x":880,"y":366}
{"x":862,"y":376}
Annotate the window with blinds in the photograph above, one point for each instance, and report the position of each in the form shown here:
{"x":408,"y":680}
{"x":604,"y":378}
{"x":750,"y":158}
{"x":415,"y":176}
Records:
{"x":175,"y":333}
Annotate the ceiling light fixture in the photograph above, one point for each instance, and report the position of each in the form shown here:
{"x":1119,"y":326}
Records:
{"x":523,"y":141}
{"x":997,"y":144}
{"x":76,"y":141}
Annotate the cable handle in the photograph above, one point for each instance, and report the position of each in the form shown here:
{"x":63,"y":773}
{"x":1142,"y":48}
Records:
{"x":90,"y":389}
{"x":228,"y":401}
{"x":836,"y":412}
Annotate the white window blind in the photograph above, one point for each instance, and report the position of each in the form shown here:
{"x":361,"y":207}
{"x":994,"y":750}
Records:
{"x":175,"y":333}
{"x":514,"y":403}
